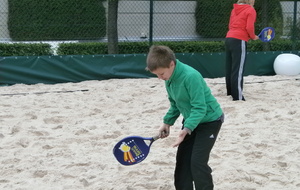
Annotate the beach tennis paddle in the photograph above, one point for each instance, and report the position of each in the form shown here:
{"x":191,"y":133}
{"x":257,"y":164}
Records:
{"x":267,"y":34}
{"x":133,"y":149}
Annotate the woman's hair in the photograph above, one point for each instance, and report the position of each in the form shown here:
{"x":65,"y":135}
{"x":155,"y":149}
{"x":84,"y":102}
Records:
{"x":159,"y":57}
{"x":244,"y":1}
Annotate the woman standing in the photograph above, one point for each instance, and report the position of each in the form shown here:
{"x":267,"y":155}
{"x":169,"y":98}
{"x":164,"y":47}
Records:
{"x":241,"y":30}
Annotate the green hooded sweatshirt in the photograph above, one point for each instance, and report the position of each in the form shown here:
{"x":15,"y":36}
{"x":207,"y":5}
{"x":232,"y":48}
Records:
{"x":190,"y":96}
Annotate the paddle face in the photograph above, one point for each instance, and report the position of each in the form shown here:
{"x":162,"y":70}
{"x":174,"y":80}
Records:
{"x":133,"y":149}
{"x":267,"y":34}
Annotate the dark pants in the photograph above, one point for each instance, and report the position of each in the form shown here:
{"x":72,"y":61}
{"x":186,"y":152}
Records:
{"x":192,"y":158}
{"x":236,"y":51}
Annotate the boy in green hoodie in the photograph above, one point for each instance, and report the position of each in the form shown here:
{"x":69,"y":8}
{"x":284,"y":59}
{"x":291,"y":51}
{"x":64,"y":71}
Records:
{"x":189,"y":96}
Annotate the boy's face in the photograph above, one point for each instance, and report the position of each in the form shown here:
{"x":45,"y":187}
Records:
{"x":165,"y":73}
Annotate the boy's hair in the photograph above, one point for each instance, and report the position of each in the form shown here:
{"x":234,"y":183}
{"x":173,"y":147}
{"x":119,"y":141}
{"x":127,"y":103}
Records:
{"x":159,"y":57}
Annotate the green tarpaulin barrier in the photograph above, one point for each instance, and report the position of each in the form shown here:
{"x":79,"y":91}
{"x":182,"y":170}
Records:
{"x":58,"y":69}
{"x":76,"y":68}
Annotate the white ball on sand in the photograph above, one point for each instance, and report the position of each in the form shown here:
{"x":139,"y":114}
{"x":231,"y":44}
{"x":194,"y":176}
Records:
{"x":287,"y":64}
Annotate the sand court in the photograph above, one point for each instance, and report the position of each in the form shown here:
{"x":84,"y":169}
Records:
{"x":61,"y":136}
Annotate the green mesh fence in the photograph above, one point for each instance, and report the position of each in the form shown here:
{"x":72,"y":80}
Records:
{"x":137,"y":20}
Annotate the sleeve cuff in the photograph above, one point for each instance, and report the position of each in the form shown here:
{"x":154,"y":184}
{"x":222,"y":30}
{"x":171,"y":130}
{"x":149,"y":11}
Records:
{"x":188,"y":130}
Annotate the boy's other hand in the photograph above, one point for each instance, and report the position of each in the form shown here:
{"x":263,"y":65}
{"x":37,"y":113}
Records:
{"x":180,"y":138}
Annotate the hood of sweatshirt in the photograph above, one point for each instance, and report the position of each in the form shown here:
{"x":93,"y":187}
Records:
{"x":238,"y":8}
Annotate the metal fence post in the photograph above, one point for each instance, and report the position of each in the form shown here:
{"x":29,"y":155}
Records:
{"x":294,"y":26}
{"x":265,"y":22}
{"x":151,"y":24}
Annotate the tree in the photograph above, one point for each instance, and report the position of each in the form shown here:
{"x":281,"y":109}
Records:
{"x":35,"y":20}
{"x":212,"y":17}
{"x":269,"y":13}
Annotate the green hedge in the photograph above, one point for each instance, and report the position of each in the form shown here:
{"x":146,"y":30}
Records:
{"x":87,"y":48}
{"x":275,"y":45}
{"x":25,"y":49}
{"x":178,"y":47}
{"x":90,"y":48}
{"x":195,"y":46}
{"x":35,"y":20}
{"x":94,"y":48}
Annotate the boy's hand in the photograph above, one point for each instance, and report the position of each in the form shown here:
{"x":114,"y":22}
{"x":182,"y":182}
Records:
{"x":164,"y":131}
{"x":180,"y":138}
